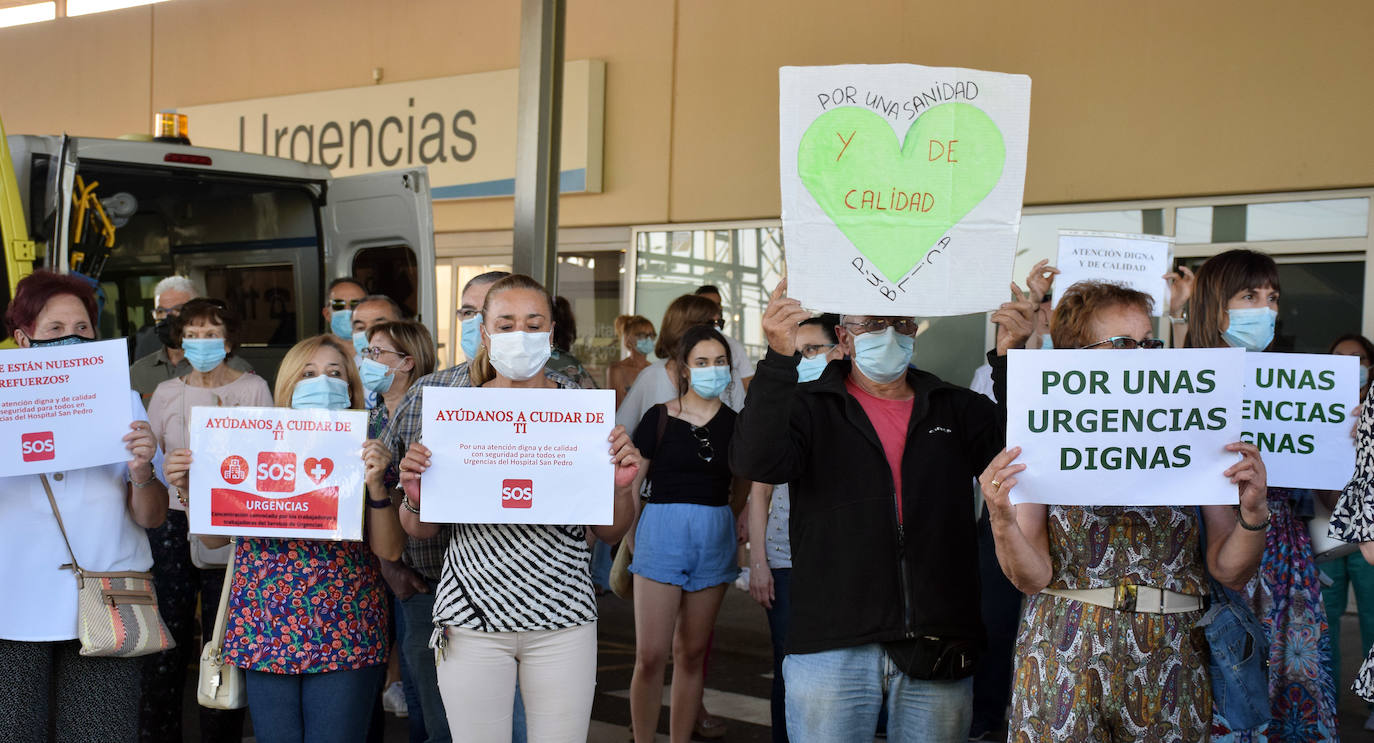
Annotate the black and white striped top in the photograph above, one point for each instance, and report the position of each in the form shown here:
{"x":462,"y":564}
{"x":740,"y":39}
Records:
{"x":516,"y":577}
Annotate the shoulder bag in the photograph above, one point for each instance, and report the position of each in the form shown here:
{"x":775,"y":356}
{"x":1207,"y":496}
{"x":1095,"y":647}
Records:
{"x":1237,"y":651}
{"x":116,"y":612}
{"x":622,"y":582}
{"x":221,"y":684}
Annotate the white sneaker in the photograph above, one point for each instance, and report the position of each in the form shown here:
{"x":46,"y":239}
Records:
{"x":394,"y":700}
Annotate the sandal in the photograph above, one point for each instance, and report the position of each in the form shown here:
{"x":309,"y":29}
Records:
{"x":709,"y":728}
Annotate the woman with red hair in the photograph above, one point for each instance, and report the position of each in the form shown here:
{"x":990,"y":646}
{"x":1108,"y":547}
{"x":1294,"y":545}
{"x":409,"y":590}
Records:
{"x":105,"y":510}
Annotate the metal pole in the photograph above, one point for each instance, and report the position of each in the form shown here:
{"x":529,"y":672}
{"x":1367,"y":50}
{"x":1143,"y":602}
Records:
{"x":538,"y":132}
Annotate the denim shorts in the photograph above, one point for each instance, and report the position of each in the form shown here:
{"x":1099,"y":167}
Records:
{"x":685,"y":544}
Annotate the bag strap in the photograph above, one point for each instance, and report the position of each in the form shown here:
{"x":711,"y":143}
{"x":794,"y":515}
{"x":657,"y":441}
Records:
{"x":221,"y":616}
{"x":47,"y":488}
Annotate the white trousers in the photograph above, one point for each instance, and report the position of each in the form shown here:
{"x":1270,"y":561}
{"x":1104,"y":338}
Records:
{"x":557,"y":670}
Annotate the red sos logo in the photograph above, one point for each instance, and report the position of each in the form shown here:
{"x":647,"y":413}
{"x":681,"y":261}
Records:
{"x":36,"y":447}
{"x":276,"y":472}
{"x":234,"y":469}
{"x":517,"y":493}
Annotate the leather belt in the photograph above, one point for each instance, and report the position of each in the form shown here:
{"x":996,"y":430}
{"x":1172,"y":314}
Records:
{"x":1129,"y":597}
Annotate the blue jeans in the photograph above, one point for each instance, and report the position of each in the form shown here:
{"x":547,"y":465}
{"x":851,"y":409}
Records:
{"x":778,"y":621}
{"x":293,"y":708}
{"x":418,"y":614}
{"x":835,"y":695}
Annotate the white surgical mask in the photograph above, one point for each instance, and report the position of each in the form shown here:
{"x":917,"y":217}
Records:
{"x":518,"y":355}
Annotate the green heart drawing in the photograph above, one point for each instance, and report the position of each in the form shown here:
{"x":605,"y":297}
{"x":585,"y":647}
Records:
{"x":895,"y":204}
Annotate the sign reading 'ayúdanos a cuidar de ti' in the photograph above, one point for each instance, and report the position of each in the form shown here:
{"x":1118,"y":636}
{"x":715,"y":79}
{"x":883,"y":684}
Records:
{"x":901,"y":186}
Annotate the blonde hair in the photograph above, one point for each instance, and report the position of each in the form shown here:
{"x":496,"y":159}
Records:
{"x":293,"y":365}
{"x":412,"y":339}
{"x":627,"y":324}
{"x":480,"y":369}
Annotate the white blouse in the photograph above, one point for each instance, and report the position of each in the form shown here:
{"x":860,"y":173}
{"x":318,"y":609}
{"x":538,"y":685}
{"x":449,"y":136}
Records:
{"x":38,"y":597}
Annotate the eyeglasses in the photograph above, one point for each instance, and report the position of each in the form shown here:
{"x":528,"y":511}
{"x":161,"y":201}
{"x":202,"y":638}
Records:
{"x":467,"y":313}
{"x":162,"y":312}
{"x":344,"y":304}
{"x":372,"y":352}
{"x":813,"y":350}
{"x":903,"y":325}
{"x":703,"y":437}
{"x":1126,"y":341}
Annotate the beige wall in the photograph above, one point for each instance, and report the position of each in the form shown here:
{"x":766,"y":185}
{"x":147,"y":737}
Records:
{"x":1129,"y":100}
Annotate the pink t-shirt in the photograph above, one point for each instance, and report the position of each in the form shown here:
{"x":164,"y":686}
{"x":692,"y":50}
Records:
{"x":890,"y":418}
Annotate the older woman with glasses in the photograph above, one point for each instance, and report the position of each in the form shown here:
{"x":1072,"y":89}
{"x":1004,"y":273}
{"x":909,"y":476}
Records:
{"x":685,"y":541}
{"x":1086,"y":669}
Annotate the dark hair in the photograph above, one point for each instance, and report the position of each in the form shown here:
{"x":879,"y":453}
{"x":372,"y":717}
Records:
{"x":216,"y":312}
{"x":33,"y":292}
{"x":684,"y":312}
{"x":707,"y":289}
{"x":694,"y":335}
{"x":490,"y":277}
{"x":564,"y":324}
{"x":1217,"y":281}
{"x":1365,"y":345}
{"x":827,"y":323}
{"x":1079,"y":304}
{"x":343,"y":280}
{"x":480,"y":368}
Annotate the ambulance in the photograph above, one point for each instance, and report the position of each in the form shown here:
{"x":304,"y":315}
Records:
{"x":264,"y":234}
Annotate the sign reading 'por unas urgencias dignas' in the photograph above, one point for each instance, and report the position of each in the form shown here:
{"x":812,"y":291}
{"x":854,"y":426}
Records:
{"x":461,"y":127}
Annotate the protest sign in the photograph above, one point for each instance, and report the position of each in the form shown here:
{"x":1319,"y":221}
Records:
{"x":277,"y":472}
{"x":518,"y":456}
{"x":1296,"y":411}
{"x":64,"y":407}
{"x":901,"y":186}
{"x":1125,"y":428}
{"x":1135,"y":261}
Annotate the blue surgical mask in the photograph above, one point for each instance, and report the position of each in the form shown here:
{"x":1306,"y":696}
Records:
{"x":359,"y":342}
{"x":883,"y":357}
{"x":472,"y":335}
{"x":327,"y":393}
{"x":377,"y":377}
{"x":204,"y":353}
{"x":66,"y":340}
{"x":645,"y":346}
{"x":1251,"y":328}
{"x":341,"y":323}
{"x":710,"y":381}
{"x":809,"y":370}
{"x":1046,"y":342}
{"x":1364,"y":376}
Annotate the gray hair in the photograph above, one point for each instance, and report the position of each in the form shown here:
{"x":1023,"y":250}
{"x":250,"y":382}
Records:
{"x":395,"y":307}
{"x":177,"y":284}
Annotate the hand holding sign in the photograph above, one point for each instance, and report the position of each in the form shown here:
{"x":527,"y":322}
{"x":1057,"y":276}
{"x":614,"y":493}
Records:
{"x":142,"y":447}
{"x":1250,"y":478}
{"x":781,"y":318}
{"x":996,"y":483}
{"x":1180,"y":289}
{"x":625,"y":457}
{"x":1015,"y":321}
{"x":177,"y":468}
{"x":376,"y":458}
{"x":414,"y":464}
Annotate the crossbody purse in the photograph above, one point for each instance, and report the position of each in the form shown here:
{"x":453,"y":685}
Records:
{"x":116,"y":612}
{"x":221,"y":684}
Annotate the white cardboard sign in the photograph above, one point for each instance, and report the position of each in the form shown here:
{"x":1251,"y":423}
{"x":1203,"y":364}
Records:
{"x":64,"y":407}
{"x":1125,"y":428}
{"x":1297,"y":411}
{"x":518,"y":456}
{"x":901,"y":186}
{"x":277,"y":472}
{"x":1135,"y":261}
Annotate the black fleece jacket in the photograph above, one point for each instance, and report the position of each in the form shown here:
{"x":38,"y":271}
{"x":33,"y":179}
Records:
{"x":857,"y":576}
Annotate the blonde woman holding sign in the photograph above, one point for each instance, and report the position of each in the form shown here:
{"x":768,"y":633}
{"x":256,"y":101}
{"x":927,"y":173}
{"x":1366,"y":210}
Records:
{"x":1083,"y":665}
{"x":307,"y":619}
{"x":514,"y":599}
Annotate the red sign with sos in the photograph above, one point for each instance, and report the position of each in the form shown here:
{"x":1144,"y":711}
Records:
{"x":517,"y":493}
{"x":35,"y":447}
{"x":276,"y":472}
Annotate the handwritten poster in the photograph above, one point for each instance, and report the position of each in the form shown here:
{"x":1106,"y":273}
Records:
{"x":512,"y":456}
{"x":64,"y":407}
{"x":901,"y":186}
{"x":277,"y":472}
{"x":1125,"y":428}
{"x":1297,"y":412}
{"x":1135,"y":261}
